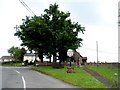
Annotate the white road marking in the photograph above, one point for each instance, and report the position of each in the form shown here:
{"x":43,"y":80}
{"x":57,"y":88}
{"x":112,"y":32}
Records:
{"x":17,"y":71}
{"x":23,"y":80}
{"x":24,"y":84}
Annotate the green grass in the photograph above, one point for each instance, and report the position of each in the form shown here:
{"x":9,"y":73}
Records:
{"x":80,"y":78}
{"x":107,"y":72}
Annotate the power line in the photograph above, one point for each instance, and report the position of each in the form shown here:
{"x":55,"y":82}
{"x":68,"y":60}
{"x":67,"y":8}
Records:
{"x":100,"y":51}
{"x":26,"y":6}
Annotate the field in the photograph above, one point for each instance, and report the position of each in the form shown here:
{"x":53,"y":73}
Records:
{"x":80,"y":78}
{"x":106,"y":71}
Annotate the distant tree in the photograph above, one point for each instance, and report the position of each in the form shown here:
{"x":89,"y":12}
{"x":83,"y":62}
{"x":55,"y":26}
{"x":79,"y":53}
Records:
{"x":11,"y":51}
{"x":22,"y":51}
{"x":17,"y":53}
{"x":50,"y":33}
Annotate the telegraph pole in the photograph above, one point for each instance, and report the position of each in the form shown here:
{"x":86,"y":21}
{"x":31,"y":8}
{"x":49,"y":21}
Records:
{"x":97,"y":52}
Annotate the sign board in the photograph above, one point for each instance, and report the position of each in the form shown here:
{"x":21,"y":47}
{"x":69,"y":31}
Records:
{"x":70,"y":52}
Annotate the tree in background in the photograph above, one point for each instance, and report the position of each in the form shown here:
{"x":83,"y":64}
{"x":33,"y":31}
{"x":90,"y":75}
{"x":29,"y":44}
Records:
{"x":50,"y":33}
{"x":17,"y":53}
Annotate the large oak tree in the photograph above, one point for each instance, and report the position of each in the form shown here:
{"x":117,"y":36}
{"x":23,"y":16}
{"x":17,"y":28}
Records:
{"x":52,"y":32}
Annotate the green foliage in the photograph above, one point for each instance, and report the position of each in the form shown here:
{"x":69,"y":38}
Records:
{"x":12,"y":63}
{"x":17,"y":53}
{"x":50,"y":33}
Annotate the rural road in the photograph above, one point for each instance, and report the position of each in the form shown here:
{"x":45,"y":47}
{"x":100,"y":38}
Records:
{"x":24,"y":77}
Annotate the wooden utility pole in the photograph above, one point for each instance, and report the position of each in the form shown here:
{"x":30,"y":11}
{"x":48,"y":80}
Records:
{"x":97,"y":52}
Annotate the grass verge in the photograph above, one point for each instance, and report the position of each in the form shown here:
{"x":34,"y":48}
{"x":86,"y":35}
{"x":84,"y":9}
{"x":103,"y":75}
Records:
{"x":107,"y":72}
{"x":80,"y":78}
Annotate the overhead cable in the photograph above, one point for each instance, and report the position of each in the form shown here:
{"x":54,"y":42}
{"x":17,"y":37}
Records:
{"x":27,"y":7}
{"x":100,"y":51}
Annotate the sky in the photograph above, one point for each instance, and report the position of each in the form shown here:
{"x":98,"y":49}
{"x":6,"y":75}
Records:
{"x":99,"y":17}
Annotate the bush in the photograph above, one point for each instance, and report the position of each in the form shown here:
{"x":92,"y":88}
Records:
{"x":5,"y":62}
{"x":25,"y":62}
{"x":57,"y":65}
{"x":16,"y":61}
{"x":12,"y":63}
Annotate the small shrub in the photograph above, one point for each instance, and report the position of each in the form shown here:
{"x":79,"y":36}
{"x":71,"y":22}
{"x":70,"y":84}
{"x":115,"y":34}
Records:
{"x":26,"y":62}
{"x":57,"y":65}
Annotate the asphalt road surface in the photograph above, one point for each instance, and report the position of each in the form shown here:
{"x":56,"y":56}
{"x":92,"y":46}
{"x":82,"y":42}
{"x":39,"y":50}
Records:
{"x":24,"y":77}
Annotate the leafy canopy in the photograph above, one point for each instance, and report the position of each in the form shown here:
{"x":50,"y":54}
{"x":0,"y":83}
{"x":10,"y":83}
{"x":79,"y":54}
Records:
{"x":50,"y":32}
{"x":17,"y":53}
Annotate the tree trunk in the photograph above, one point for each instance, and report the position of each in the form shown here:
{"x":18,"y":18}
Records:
{"x":50,"y":58}
{"x":54,"y":58}
{"x":40,"y":55}
{"x":62,"y":55}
